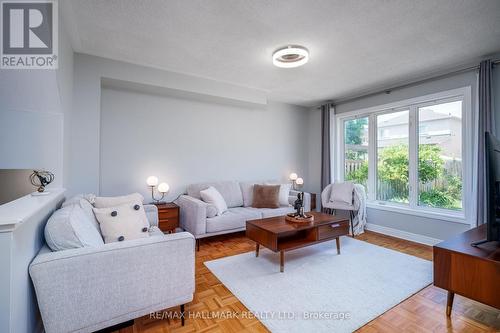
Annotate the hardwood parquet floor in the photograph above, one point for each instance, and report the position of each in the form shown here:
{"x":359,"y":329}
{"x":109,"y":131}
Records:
{"x":422,"y":312}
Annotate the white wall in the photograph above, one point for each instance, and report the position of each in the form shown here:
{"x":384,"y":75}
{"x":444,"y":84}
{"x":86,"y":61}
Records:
{"x":31,"y":122}
{"x":65,"y":89}
{"x":184,"y":141}
{"x":314,"y":154}
{"x":438,"y":229}
{"x":238,"y":119}
{"x":34,"y":105}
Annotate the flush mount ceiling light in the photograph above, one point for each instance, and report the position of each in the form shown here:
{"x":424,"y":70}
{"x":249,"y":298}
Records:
{"x":290,"y":56}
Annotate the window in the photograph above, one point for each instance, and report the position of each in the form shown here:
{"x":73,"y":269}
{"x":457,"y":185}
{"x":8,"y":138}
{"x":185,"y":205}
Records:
{"x":409,"y":154}
{"x":392,"y":157}
{"x":356,"y":150}
{"x":440,"y":155}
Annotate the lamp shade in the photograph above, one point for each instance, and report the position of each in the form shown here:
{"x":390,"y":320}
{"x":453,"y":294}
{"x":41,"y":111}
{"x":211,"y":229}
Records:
{"x":299,"y":181}
{"x":152,"y":181}
{"x":163,"y":188}
{"x":293,"y":176}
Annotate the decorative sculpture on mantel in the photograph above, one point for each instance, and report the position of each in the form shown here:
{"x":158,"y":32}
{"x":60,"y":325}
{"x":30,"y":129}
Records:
{"x":40,"y":179}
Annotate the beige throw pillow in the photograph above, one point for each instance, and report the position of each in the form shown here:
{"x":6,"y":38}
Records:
{"x":213,"y":197}
{"x":123,"y":222}
{"x":134,"y":198}
{"x":266,"y":196}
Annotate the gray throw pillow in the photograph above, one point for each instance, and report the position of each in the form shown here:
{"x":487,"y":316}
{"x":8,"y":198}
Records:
{"x":69,"y":228}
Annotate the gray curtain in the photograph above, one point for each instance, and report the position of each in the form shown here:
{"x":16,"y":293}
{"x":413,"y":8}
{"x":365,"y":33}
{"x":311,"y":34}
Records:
{"x":486,"y":124}
{"x":326,"y":176}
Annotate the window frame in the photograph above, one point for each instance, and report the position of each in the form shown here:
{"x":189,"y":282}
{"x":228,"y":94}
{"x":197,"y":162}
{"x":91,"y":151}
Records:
{"x":412,"y":104}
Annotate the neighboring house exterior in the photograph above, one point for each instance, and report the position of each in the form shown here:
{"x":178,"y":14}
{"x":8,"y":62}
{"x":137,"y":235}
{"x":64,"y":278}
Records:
{"x":434,"y":128}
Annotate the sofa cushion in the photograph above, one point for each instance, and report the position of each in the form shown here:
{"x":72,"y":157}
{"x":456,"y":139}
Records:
{"x":84,"y":201}
{"x":69,"y":228}
{"x":230,"y":191}
{"x":90,"y":198}
{"x":272,"y":212}
{"x":284,"y":192}
{"x":234,"y":218}
{"x":124,"y":222}
{"x":211,"y":210}
{"x":247,"y":192}
{"x":104,"y":202}
{"x":266,"y":196}
{"x":212,"y":197}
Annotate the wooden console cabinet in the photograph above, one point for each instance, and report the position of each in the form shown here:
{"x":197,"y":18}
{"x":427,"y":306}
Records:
{"x":473,"y":272}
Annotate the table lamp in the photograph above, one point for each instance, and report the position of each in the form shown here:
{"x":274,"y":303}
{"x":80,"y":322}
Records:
{"x":163,"y":188}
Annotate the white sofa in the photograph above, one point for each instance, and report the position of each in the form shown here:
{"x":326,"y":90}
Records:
{"x":89,"y":288}
{"x":195,"y":214}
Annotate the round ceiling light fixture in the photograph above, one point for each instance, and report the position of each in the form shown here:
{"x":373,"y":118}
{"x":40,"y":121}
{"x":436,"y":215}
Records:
{"x":290,"y":56}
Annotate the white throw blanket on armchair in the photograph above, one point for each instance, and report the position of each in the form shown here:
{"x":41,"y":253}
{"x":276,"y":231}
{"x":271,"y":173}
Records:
{"x":358,"y":205}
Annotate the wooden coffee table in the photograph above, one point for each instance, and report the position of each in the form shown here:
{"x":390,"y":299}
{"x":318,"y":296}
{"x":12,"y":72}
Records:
{"x":278,"y":235}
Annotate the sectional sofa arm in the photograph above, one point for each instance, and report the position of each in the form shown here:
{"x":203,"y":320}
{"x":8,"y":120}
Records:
{"x":193,"y":214}
{"x":152,"y":214}
{"x":88,"y":286}
{"x":307,"y":199}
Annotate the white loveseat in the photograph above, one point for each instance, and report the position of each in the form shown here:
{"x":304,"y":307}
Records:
{"x":195,"y":214}
{"x":85,"y":289}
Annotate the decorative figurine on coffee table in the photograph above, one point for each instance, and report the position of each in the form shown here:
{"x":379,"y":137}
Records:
{"x":299,"y":216}
{"x":299,"y":205}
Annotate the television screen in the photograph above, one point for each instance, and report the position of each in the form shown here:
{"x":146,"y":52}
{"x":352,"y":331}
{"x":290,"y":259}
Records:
{"x":492,"y":187}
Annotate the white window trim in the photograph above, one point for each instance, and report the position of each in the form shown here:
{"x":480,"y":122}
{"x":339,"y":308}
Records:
{"x":464,"y":216}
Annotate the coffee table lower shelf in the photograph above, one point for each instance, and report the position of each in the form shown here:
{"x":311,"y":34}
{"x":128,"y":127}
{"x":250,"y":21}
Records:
{"x":279,"y":236}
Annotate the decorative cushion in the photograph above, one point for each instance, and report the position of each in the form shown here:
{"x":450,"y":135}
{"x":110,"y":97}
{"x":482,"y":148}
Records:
{"x":247,"y":192}
{"x":230,"y":191}
{"x":284,"y":193}
{"x":84,"y":201}
{"x":212,"y":196}
{"x":123,"y":222}
{"x":104,"y":202}
{"x":90,"y":198}
{"x":70,"y":227}
{"x":211,"y":211}
{"x":266,"y":196}
{"x":342,"y":193}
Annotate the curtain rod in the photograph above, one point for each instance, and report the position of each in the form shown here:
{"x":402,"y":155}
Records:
{"x":409,"y":84}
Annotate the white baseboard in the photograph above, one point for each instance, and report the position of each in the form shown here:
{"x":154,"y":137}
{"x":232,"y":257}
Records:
{"x":402,"y":234}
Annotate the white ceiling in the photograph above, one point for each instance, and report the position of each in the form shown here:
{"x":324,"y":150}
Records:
{"x":355,"y":46}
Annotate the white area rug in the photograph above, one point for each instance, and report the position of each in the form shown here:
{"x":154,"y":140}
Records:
{"x":342,"y":292}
